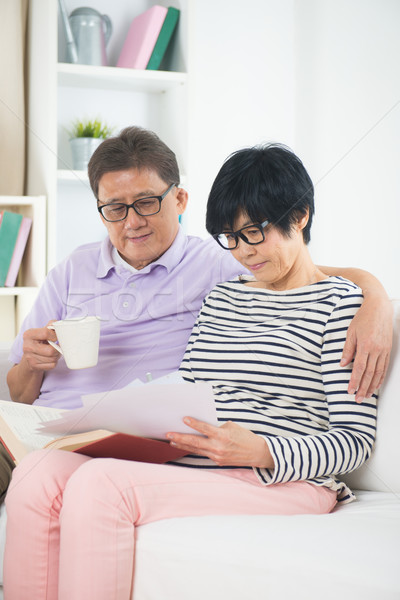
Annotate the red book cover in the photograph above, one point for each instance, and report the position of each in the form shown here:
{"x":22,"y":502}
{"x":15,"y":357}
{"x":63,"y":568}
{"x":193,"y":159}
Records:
{"x":131,"y":447}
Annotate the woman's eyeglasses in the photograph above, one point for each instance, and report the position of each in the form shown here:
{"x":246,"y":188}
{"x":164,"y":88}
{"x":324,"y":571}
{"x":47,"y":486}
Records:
{"x":251,"y":234}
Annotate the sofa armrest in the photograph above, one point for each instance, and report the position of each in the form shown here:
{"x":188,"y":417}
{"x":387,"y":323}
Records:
{"x":381,"y":472}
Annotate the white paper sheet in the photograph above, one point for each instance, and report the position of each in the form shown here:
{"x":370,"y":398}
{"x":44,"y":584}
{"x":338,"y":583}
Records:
{"x":147,"y":410}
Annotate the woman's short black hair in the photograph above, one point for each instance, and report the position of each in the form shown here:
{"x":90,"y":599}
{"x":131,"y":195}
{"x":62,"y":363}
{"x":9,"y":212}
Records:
{"x":267,"y":182}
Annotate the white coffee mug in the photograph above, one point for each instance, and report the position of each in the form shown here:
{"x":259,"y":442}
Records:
{"x":78,"y":341}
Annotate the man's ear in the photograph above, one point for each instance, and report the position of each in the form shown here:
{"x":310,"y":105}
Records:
{"x":182,"y":198}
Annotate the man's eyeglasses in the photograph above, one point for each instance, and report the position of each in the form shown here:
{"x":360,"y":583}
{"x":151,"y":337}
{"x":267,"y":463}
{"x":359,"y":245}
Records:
{"x":145,"y":207}
{"x":251,"y":234}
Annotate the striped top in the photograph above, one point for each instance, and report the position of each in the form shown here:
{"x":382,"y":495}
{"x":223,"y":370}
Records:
{"x":273,"y":359}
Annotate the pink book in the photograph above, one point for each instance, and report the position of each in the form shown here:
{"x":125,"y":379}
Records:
{"x":141,"y":38}
{"x":18,"y":253}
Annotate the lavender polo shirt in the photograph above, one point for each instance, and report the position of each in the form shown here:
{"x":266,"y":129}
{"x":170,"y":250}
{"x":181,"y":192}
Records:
{"x":146,"y":316}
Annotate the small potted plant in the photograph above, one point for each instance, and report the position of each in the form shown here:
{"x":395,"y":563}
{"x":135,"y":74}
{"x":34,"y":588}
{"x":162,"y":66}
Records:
{"x":85,"y":136}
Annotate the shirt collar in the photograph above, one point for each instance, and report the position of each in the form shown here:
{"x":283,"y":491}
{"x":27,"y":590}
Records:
{"x":118,"y":260}
{"x":169,"y":260}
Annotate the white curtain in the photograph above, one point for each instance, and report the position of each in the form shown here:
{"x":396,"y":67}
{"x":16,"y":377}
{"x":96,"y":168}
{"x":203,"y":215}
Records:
{"x":13,"y":17}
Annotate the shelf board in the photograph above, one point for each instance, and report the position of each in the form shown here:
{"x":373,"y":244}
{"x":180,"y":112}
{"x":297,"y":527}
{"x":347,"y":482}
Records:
{"x":21,"y":200}
{"x":17,"y":291}
{"x":116,"y":78}
{"x":74,"y":176}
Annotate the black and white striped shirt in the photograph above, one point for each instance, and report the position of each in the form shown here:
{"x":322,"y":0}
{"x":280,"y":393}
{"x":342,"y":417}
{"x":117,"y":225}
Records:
{"x":273,"y":359}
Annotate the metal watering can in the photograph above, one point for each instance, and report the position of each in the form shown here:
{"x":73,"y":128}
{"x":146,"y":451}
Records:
{"x":87,"y":33}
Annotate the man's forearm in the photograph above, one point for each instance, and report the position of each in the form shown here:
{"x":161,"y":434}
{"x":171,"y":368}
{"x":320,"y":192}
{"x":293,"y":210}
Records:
{"x":24,"y":383}
{"x":369,"y":284}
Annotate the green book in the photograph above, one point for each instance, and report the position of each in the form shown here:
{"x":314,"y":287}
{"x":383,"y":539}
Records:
{"x":164,"y":38}
{"x":9,"y":228}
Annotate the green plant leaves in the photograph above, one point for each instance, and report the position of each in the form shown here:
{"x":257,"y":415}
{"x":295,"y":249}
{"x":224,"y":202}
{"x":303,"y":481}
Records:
{"x":90,"y":128}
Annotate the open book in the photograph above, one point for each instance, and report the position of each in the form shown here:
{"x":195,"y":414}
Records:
{"x":129,"y":424}
{"x":18,"y":427}
{"x":18,"y":434}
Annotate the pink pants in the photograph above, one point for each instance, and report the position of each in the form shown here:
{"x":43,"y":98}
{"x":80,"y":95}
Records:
{"x":71,"y":520}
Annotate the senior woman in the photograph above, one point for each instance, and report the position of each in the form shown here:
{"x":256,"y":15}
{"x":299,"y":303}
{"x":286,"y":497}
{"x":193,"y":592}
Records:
{"x":271,"y":345}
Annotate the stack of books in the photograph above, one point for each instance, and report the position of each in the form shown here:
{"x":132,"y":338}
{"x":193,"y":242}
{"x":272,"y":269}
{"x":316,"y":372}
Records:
{"x":148,"y":38}
{"x":14,"y":233}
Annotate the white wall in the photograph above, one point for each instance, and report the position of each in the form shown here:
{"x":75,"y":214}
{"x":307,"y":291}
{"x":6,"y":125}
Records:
{"x":241,"y":62}
{"x":321,"y":76}
{"x":348,"y":130}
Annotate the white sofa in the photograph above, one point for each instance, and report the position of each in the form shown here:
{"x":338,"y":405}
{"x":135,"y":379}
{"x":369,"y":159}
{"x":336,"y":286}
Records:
{"x":353,"y":552}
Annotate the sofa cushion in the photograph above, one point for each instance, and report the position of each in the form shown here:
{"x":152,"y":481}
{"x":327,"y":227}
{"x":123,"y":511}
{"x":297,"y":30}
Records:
{"x":382,"y":471}
{"x":350,"y":553}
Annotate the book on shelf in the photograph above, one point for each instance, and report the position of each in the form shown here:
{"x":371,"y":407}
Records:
{"x":164,"y":38}
{"x":9,"y":229}
{"x":128,"y":424}
{"x":142,"y":37}
{"x":18,"y":253}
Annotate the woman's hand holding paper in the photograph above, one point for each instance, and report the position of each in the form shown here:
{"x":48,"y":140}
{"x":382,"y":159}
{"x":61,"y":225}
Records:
{"x":227,"y":445}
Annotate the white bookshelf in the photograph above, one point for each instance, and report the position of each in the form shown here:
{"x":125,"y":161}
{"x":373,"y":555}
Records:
{"x":60,"y":92}
{"x":16,"y":301}
{"x":59,"y":199}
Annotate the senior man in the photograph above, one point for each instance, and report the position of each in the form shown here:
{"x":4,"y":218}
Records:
{"x":146,"y":281}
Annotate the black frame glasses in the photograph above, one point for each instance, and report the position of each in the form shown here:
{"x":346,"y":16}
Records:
{"x":139,"y":206}
{"x":229,"y":240}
